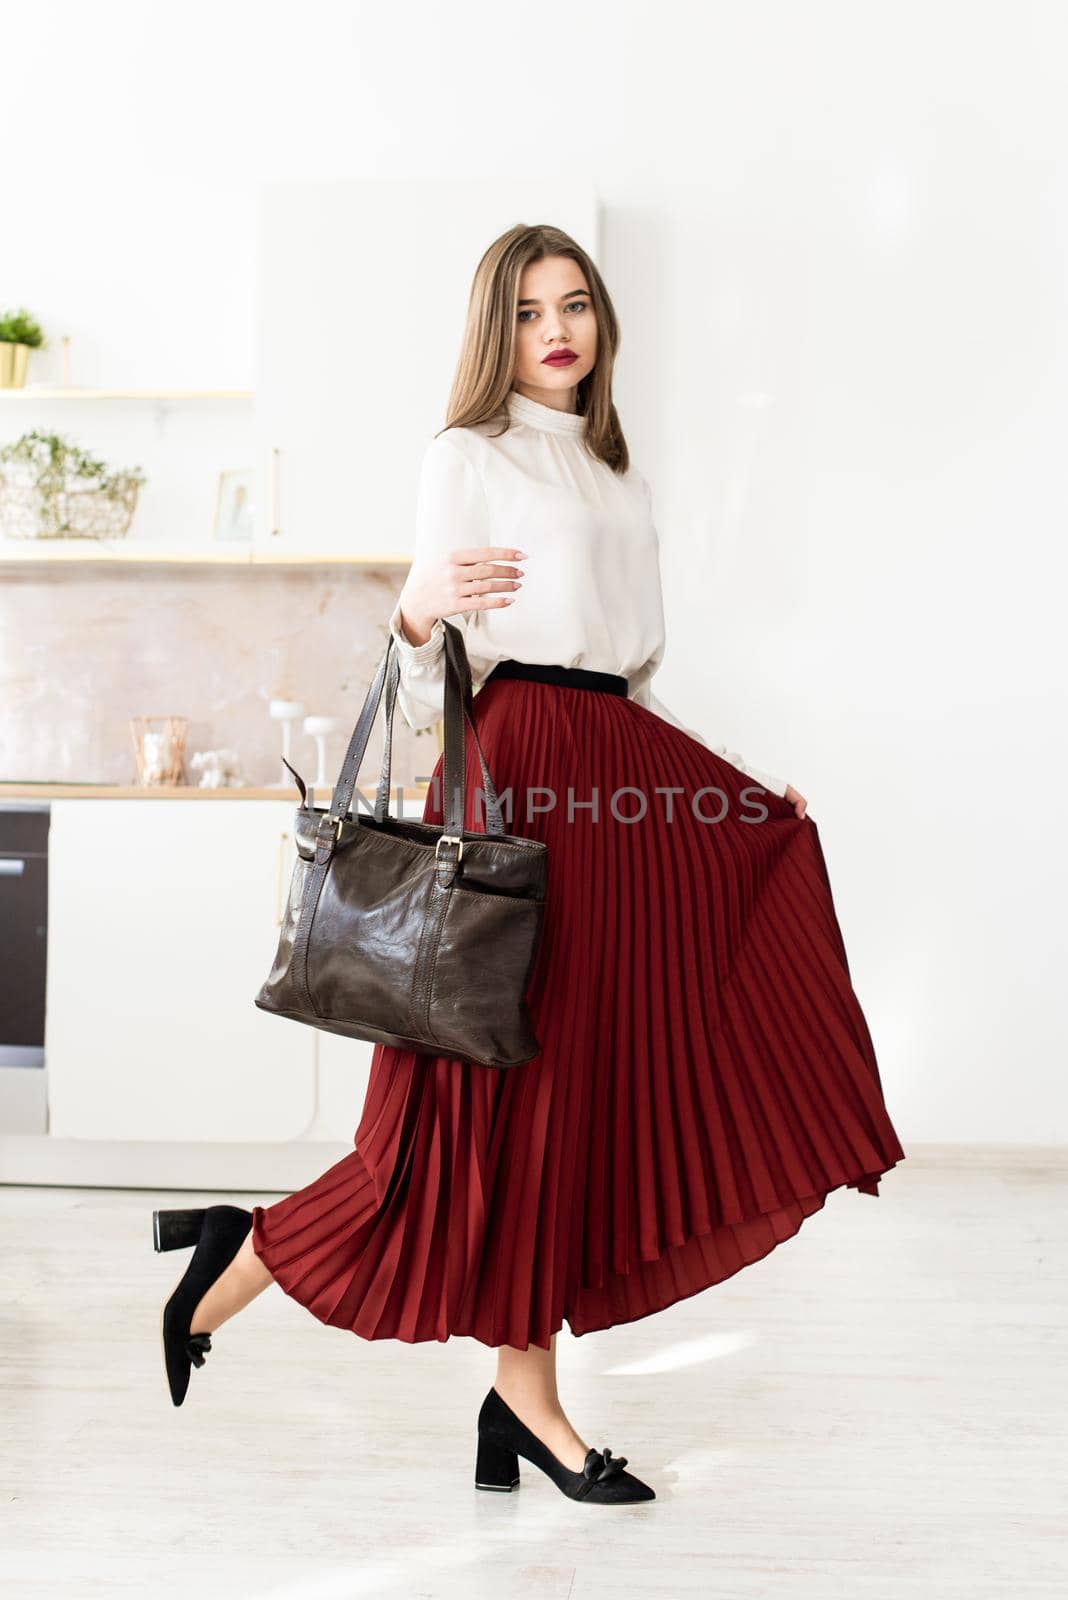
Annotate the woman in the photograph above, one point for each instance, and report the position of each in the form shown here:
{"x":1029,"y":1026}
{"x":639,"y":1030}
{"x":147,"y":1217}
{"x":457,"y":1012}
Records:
{"x":705,"y":1076}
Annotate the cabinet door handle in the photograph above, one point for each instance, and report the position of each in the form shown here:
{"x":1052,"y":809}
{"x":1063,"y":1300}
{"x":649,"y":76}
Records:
{"x":272,"y":504}
{"x":281,"y":897}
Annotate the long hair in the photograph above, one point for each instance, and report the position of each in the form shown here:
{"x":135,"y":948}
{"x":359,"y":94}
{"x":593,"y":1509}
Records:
{"x":486,"y":367}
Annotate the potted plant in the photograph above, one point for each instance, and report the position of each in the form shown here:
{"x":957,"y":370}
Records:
{"x":52,"y":489}
{"x":19,"y":334}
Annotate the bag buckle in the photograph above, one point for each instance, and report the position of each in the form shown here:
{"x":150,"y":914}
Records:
{"x":324,"y":827}
{"x":450,"y":838}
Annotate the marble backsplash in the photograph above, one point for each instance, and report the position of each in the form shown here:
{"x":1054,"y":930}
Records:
{"x":85,"y":648}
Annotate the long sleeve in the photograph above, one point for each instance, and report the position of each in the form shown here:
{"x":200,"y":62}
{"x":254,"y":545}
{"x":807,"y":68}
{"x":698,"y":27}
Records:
{"x":640,"y":689}
{"x":450,"y":511}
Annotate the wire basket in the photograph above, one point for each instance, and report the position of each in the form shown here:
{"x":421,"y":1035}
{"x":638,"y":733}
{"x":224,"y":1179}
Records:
{"x":81,"y":509}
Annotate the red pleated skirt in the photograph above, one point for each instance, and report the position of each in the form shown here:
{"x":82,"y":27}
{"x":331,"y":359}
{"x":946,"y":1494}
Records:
{"x":705,"y":1078}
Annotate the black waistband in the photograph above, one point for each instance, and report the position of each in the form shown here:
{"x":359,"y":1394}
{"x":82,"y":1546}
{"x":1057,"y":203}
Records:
{"x":569,"y":677}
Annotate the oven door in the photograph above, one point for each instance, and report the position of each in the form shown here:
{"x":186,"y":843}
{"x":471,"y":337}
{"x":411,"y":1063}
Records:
{"x":23,"y":932}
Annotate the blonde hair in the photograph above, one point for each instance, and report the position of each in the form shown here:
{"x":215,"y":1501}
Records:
{"x":486,"y":366}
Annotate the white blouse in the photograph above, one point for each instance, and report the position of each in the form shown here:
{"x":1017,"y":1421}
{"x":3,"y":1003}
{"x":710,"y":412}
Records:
{"x":591,"y":593}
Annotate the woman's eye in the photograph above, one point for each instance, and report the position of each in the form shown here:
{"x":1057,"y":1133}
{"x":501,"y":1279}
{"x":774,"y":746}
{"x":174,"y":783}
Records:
{"x":581,"y":305}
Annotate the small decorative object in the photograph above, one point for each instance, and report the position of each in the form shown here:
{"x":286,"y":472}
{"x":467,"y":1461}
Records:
{"x":219,"y":769}
{"x":158,"y":746}
{"x":52,"y":489}
{"x":286,"y":712}
{"x":19,"y":334}
{"x":320,"y":729}
{"x":234,"y":506}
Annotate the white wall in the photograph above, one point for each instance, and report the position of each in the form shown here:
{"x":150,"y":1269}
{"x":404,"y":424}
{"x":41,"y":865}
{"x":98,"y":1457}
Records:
{"x":835,"y":235}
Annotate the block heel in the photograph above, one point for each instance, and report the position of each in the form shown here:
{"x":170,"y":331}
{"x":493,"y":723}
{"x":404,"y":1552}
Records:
{"x":503,"y":1437}
{"x":176,"y":1230}
{"x":218,"y":1233}
{"x":496,"y":1467}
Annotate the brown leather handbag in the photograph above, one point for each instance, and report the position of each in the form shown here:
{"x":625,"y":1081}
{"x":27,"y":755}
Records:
{"x":403,"y":932}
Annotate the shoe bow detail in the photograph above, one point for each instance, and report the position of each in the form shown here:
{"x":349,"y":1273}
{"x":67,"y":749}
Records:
{"x":197,"y":1345}
{"x":602,"y":1465}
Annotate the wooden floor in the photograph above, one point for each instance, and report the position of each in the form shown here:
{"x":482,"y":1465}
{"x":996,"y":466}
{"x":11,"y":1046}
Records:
{"x":877,"y":1409}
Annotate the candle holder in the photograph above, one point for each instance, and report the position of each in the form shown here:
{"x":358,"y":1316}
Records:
{"x":320,"y":729}
{"x":285,"y":712}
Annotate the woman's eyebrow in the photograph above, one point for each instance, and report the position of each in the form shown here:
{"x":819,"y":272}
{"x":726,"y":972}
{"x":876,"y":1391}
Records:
{"x":570,"y":296}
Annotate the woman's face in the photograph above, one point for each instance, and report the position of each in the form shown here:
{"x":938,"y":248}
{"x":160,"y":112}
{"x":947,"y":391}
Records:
{"x":554,"y":316}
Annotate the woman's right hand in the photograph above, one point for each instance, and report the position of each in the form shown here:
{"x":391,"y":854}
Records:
{"x":468,"y":578}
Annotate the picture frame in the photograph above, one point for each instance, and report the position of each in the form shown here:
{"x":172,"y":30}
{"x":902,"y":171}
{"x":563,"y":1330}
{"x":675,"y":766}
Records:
{"x":234,"y":505}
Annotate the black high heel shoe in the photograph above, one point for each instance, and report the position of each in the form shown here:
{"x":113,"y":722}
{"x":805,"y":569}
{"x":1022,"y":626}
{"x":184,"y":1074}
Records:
{"x":218,"y":1233}
{"x":503,"y":1437}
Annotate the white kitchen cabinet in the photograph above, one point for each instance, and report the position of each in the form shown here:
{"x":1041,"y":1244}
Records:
{"x":362,"y":295}
{"x":163,"y":921}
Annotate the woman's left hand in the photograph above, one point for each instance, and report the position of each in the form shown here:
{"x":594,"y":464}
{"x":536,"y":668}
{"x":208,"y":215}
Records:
{"x":796,"y":799}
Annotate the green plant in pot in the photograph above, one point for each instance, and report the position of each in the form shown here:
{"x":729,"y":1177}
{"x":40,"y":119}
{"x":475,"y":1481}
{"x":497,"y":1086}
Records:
{"x":50,"y":488}
{"x":19,"y":334}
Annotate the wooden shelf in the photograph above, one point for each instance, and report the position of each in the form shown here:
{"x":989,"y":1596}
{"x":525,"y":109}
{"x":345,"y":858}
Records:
{"x":143,"y":552}
{"x":132,"y":552}
{"x":133,"y":791}
{"x":73,"y":392}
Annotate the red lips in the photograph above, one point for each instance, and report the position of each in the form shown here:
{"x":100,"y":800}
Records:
{"x":559,"y":358}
